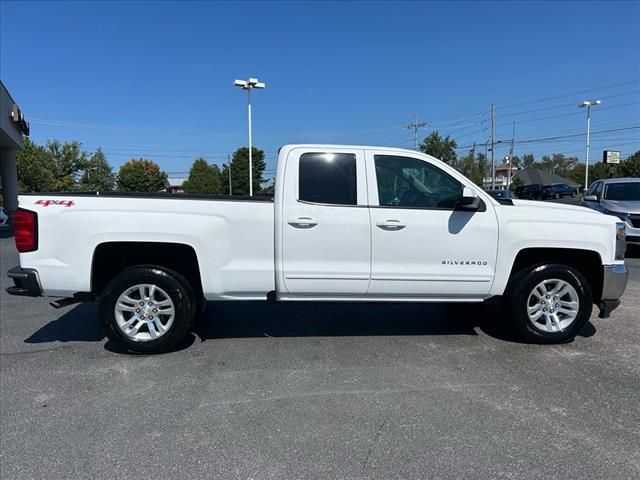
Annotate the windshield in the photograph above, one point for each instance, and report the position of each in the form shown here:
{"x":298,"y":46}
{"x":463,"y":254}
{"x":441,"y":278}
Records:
{"x":628,"y":191}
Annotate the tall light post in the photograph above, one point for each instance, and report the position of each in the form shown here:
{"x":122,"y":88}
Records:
{"x":249,"y":85}
{"x":588,"y":104}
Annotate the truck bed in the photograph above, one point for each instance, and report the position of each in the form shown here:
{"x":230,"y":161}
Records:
{"x":231,"y":236}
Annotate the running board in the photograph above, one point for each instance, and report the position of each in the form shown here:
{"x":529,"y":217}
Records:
{"x":77,"y":298}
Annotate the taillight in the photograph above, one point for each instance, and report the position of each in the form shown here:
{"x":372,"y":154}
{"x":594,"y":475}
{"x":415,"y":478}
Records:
{"x":25,"y":227}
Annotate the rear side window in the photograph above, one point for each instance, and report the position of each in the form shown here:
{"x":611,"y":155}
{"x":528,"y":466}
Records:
{"x":328,"y":178}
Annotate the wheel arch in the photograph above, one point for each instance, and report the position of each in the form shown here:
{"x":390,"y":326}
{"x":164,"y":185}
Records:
{"x":587,"y":262}
{"x":111,"y":258}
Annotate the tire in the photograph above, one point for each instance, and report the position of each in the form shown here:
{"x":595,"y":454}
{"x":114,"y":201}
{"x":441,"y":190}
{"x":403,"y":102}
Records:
{"x":147,"y":309}
{"x":547,"y":328}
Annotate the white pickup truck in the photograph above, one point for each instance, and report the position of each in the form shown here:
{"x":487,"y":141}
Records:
{"x":347,"y":223}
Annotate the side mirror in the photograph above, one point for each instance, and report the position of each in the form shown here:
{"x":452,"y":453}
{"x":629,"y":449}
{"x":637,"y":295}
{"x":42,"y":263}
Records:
{"x":469,"y":200}
{"x":590,"y":198}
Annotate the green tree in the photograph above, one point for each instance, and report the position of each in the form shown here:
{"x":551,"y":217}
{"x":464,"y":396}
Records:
{"x":631,"y":166}
{"x":443,"y":148}
{"x":35,"y":168}
{"x":469,"y":168}
{"x":98,"y":174}
{"x":269,"y":186}
{"x":141,"y":175}
{"x":240,"y":171}
{"x":516,"y":182}
{"x":597,"y":171}
{"x":68,"y":160}
{"x":528,"y":160}
{"x":203,"y":178}
{"x":558,"y":164}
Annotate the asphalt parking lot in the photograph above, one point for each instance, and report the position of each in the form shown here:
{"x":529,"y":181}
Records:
{"x":323,"y":391}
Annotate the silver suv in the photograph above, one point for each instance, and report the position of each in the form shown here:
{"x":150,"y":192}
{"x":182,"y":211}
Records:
{"x":619,"y":197}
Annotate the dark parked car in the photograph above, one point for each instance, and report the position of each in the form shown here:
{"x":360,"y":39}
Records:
{"x":530,"y":192}
{"x":502,"y":194}
{"x":558,"y":190}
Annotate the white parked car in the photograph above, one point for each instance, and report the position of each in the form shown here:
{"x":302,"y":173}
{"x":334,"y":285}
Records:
{"x":347,"y":223}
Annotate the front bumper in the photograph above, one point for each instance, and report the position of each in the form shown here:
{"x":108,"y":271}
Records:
{"x":25,"y":281}
{"x":614,"y":282}
{"x":632,"y":233}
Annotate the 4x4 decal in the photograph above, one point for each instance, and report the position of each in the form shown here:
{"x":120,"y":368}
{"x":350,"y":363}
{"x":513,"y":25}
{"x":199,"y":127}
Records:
{"x":64,"y":203}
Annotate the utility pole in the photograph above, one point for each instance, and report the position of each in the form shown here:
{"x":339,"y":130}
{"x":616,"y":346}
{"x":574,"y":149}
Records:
{"x":493,"y":146}
{"x":415,"y":126}
{"x":513,"y":139}
{"x":473,"y":157}
{"x":229,"y":172}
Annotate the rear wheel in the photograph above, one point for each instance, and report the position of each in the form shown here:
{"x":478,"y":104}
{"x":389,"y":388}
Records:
{"x":549,"y":303}
{"x":147,"y":309}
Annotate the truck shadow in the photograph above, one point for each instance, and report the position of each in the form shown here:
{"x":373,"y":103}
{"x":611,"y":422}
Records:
{"x":261,"y":319}
{"x":251,"y":319}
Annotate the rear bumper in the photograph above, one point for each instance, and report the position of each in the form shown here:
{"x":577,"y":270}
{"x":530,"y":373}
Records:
{"x":614,"y":283}
{"x":26,"y":283}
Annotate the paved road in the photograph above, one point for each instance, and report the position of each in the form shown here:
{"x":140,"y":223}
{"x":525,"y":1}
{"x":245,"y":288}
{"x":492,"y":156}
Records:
{"x":324,"y":391}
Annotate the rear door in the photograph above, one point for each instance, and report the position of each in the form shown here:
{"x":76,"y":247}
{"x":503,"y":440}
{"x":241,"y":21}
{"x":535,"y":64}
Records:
{"x":423,"y":245}
{"x":326,"y":244}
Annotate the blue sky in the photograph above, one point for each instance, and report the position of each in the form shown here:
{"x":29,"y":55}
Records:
{"x":154,"y":79}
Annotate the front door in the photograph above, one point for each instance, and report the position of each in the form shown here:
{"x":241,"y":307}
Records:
{"x":423,"y":245}
{"x":326,"y":245}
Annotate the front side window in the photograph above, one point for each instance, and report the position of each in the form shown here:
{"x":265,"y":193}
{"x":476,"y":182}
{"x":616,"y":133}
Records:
{"x":598,"y":190}
{"x":408,"y":182}
{"x":328,"y":178}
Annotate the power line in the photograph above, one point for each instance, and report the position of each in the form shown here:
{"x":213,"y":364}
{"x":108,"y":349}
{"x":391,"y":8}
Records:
{"x":558,"y":137}
{"x":571,"y":104}
{"x":128,"y":129}
{"x":570,"y":94}
{"x":534,"y":140}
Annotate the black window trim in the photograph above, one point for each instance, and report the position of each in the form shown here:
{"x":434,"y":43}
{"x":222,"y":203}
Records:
{"x":481,"y":208}
{"x":307,"y":202}
{"x":458,"y":208}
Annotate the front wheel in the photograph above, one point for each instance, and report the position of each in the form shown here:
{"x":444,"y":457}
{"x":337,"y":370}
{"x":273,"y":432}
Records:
{"x":147,"y":309}
{"x":549,"y":303}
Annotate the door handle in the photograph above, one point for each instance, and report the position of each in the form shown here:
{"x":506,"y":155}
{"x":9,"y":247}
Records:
{"x":303,"y":222}
{"x":391,"y":225}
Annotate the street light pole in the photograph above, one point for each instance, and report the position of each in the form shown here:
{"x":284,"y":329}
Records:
{"x":588,"y":104}
{"x":249,"y":85}
{"x":493,"y":147}
{"x":250,"y":143}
